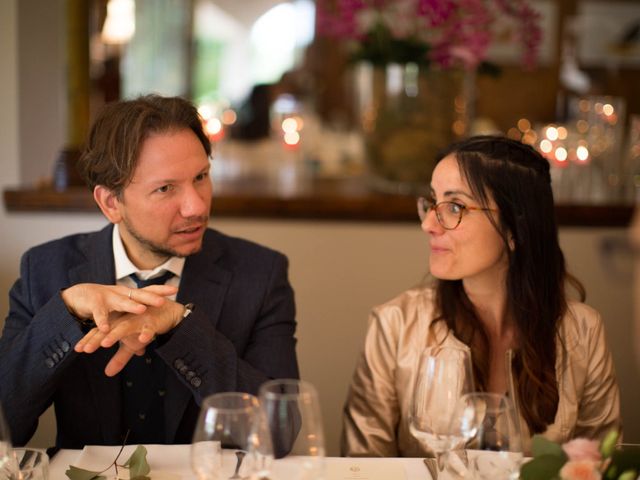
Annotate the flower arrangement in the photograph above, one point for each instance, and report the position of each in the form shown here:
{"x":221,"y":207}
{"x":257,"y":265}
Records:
{"x":581,"y":459}
{"x":445,"y":33}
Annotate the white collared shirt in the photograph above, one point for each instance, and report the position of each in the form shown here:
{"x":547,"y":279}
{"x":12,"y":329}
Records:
{"x":125,"y":267}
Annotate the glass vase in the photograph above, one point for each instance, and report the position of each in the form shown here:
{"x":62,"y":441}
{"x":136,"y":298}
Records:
{"x":407,"y":116}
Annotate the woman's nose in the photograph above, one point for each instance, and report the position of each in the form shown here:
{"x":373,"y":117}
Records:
{"x":430,"y":223}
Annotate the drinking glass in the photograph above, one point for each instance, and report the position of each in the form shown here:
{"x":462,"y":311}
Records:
{"x":494,"y":429}
{"x":33,"y":464}
{"x":444,"y":375}
{"x":293,"y":414}
{"x":7,"y":462}
{"x":231,"y":438}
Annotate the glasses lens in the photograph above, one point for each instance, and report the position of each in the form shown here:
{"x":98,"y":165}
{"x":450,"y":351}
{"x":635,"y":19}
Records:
{"x":449,"y":214}
{"x":423,"y":208}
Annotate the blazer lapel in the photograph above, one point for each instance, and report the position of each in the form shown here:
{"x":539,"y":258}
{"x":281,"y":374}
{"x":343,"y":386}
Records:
{"x":204,"y":283}
{"x":99,"y":268}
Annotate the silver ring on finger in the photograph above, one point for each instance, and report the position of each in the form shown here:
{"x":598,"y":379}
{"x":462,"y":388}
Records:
{"x":130,"y":294}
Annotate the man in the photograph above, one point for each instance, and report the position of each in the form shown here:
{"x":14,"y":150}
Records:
{"x":115,"y":359}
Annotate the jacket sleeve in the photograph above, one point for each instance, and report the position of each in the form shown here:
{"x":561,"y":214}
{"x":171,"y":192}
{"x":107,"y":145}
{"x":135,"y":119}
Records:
{"x":599,"y":406}
{"x":372,"y":411}
{"x":36,"y":348}
{"x":208,"y":361}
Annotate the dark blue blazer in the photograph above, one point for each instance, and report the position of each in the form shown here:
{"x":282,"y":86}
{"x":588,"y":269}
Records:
{"x":240,"y":334}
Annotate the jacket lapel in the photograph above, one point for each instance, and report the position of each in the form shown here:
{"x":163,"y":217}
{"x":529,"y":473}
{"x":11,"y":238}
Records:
{"x":99,"y":268}
{"x":204,"y":283}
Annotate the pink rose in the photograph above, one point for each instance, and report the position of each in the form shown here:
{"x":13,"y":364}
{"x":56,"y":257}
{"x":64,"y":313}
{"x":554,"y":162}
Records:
{"x":580,"y":470}
{"x":582,"y":449}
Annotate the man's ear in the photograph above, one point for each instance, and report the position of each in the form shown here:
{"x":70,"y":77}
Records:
{"x":108,"y":202}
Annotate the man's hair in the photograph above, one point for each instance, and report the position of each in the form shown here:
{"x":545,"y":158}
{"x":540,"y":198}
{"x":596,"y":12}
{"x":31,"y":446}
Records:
{"x":116,"y":138}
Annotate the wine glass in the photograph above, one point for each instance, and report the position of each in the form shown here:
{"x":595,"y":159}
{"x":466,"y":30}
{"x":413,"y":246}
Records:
{"x":293,"y":414}
{"x":32,"y":464}
{"x":494,"y":429}
{"x":7,"y":461}
{"x":231,"y":438}
{"x":444,"y":375}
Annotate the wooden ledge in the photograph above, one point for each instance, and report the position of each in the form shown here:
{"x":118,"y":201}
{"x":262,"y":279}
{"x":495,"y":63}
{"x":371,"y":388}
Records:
{"x":339,"y":200}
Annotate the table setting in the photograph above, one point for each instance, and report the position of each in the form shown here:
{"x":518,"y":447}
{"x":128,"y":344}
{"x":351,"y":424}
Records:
{"x":278,"y":435}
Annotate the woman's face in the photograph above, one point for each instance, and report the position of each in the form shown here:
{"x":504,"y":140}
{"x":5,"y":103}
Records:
{"x":474,"y":250}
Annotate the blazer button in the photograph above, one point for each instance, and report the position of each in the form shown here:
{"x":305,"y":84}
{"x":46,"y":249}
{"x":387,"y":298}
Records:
{"x":179,"y":363}
{"x":65,"y":346}
{"x":183,"y":369}
{"x":196,"y":382}
{"x":49,"y":362}
{"x":55,"y":357}
{"x":190,"y":374}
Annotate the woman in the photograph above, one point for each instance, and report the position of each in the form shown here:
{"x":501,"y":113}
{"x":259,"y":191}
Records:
{"x":499,"y":291}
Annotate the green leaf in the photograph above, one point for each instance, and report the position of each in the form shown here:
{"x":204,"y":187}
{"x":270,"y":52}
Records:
{"x":543,"y":467}
{"x":137,"y":464}
{"x":608,"y":444}
{"x":623,"y":459}
{"x":628,"y":475}
{"x":75,"y":473}
{"x":541,"y":446}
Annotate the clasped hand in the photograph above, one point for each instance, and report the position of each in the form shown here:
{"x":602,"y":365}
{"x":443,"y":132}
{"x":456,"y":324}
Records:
{"x":132,"y":320}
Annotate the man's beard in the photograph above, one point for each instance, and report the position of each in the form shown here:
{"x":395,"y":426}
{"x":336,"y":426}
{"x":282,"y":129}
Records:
{"x":156,"y":248}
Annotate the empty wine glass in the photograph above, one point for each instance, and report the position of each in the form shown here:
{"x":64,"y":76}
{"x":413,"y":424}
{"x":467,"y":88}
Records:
{"x":7,"y":462}
{"x":231,"y":438}
{"x":32,"y":464}
{"x":495,"y":430}
{"x":293,"y":414}
{"x":444,"y":375}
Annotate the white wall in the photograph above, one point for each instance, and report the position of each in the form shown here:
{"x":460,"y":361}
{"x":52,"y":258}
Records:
{"x":338,"y":269}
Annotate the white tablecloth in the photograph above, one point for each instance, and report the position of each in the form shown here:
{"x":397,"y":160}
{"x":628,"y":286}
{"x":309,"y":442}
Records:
{"x":171,"y":462}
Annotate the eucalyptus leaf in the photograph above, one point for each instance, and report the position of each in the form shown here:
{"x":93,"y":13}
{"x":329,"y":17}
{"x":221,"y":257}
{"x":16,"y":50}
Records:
{"x":75,"y":473}
{"x":541,"y":446}
{"x":137,"y":464}
{"x":543,"y":467}
{"x":628,"y":475}
{"x":608,"y":444}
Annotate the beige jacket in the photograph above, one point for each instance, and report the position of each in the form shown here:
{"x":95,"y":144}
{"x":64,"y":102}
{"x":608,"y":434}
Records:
{"x":376,"y":412}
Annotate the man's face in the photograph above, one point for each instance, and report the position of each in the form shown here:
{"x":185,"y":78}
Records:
{"x":164,"y":210}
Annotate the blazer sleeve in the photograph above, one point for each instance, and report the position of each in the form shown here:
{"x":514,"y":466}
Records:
{"x":207,"y":361}
{"x":599,"y":406}
{"x":372,"y":411}
{"x":36,"y":348}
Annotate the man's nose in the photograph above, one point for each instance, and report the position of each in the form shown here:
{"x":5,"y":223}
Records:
{"x":194,"y":204}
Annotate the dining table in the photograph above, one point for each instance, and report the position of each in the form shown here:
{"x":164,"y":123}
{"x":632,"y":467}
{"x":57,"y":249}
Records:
{"x":172,"y":462}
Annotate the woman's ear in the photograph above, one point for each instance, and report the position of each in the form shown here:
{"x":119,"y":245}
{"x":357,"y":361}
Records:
{"x":108,"y":202}
{"x":511,"y":242}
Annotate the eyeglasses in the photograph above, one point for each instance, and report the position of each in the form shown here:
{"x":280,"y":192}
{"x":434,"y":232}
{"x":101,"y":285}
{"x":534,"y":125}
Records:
{"x":449,"y":214}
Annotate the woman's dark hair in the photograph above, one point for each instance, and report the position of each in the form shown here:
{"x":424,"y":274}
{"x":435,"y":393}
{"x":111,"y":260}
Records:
{"x":111,"y":154}
{"x":517,"y":178}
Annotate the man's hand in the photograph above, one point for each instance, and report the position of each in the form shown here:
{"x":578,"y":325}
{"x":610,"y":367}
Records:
{"x":133,"y":331}
{"x":100,"y":302}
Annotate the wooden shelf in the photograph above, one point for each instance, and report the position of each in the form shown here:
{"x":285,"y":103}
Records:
{"x":339,"y":200}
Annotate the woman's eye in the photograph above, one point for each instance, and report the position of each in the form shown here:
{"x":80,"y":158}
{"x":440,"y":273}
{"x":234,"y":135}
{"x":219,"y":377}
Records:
{"x":455,"y":208}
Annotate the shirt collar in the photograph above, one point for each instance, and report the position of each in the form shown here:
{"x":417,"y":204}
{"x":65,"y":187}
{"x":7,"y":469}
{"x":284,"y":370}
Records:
{"x":125,"y":267}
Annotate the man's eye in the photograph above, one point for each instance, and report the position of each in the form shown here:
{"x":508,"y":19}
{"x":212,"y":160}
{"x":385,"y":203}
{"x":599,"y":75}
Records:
{"x":201,"y":176}
{"x":164,"y":189}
